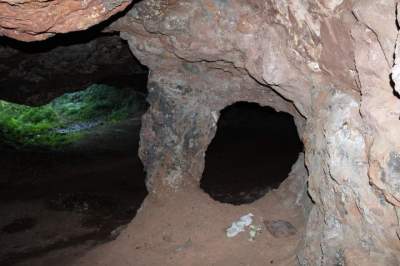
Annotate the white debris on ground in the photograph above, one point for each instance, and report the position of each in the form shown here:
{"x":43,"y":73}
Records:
{"x":239,"y":225}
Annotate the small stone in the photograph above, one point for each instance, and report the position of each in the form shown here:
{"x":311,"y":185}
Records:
{"x":280,"y":228}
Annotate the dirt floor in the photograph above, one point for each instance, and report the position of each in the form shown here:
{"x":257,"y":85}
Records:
{"x":75,"y":207}
{"x":53,"y":200}
{"x":188,"y":228}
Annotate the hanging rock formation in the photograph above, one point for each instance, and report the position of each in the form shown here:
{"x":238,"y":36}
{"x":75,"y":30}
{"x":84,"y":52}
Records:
{"x":31,"y":20}
{"x":332,"y":64}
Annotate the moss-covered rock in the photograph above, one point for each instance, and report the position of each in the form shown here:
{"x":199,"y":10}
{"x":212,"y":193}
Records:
{"x":67,"y":118}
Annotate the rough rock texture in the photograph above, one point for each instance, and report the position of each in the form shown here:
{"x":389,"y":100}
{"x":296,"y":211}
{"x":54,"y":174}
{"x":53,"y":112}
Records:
{"x":31,"y":20}
{"x":183,"y":116}
{"x":35,"y":74}
{"x":332,"y":64}
{"x":328,"y":63}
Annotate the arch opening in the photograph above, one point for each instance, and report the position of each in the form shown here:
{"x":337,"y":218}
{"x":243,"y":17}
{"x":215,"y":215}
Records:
{"x":252,"y":153}
{"x":70,"y":117}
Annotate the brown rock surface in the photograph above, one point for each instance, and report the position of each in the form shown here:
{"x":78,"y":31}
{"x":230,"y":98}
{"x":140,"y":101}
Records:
{"x":330,"y":60}
{"x":326,"y":62}
{"x":30,"y":20}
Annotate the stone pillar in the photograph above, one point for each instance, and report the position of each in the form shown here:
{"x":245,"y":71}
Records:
{"x":175,"y":133}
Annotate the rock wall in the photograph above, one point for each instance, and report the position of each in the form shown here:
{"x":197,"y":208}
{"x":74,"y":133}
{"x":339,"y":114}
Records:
{"x":183,"y":116}
{"x":327,"y":63}
{"x":332,"y":64}
{"x":35,"y":74}
{"x":31,"y":20}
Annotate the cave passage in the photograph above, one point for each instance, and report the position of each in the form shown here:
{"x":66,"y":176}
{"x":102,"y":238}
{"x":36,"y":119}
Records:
{"x":70,"y":172}
{"x":252,"y":152}
{"x":64,"y":187}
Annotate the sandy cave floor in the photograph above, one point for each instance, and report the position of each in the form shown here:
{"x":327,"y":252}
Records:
{"x":62,"y":210}
{"x":189,"y":229}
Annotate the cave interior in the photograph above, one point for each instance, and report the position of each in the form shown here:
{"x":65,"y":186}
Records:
{"x":202,"y":132}
{"x":94,"y":181}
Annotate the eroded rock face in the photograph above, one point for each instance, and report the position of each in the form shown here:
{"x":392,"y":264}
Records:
{"x":28,"y":20}
{"x":36,"y":74}
{"x":328,"y":63}
{"x":332,"y":64}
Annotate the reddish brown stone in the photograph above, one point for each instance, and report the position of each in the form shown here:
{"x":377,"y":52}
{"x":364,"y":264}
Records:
{"x":332,"y":64}
{"x":30,"y":20}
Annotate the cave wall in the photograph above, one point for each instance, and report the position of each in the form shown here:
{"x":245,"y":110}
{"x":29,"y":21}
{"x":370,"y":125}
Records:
{"x":31,"y":20}
{"x":34,"y":74}
{"x":183,"y":117}
{"x":329,"y":63}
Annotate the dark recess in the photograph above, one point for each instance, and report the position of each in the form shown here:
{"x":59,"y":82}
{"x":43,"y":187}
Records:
{"x":253,"y":152}
{"x":99,"y":188}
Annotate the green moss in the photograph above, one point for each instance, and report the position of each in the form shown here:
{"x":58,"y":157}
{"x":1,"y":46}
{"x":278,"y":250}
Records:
{"x":67,"y":118}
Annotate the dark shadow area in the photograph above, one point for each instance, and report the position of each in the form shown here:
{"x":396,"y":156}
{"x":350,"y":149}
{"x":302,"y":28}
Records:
{"x":60,"y":199}
{"x":253,"y":152}
{"x":393,"y":85}
{"x":82,"y":194}
{"x":35,"y":73}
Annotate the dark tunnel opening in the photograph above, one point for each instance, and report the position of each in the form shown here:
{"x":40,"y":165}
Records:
{"x":252,"y":153}
{"x":84,"y":191}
